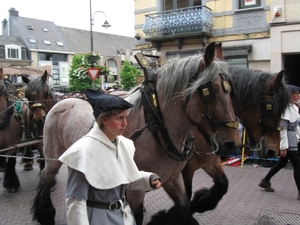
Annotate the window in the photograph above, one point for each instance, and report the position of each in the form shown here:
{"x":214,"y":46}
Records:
{"x":249,"y":3}
{"x":12,"y":52}
{"x":30,"y":27}
{"x":46,"y":42}
{"x":32,"y":40}
{"x":45,"y":29}
{"x":59,"y":43}
{"x":179,"y":4}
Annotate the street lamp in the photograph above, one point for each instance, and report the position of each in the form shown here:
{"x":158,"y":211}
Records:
{"x":105,"y":25}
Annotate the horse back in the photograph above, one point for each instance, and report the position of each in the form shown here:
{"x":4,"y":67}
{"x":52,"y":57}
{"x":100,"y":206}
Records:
{"x":67,"y":121}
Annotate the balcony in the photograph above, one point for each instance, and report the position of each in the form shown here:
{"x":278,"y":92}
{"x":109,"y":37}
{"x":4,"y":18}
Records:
{"x":186,"y":22}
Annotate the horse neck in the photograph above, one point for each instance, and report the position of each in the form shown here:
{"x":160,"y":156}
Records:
{"x":176,"y":122}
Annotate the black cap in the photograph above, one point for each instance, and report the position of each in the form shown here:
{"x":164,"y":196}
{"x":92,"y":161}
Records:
{"x":293,"y":88}
{"x":102,"y":102}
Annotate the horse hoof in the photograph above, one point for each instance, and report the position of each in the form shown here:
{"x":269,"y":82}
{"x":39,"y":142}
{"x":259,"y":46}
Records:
{"x":28,"y":167}
{"x":12,"y":190}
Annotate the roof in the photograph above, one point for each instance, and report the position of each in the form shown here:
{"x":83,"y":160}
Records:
{"x":74,"y":40}
{"x":26,"y":28}
{"x":8,"y":40}
{"x":104,"y":44}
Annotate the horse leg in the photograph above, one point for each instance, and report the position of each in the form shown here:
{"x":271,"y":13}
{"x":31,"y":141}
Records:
{"x":135,"y":199}
{"x":2,"y":164}
{"x":43,"y":210}
{"x":207,"y":199}
{"x":180,"y":212}
{"x":11,"y":181}
{"x":28,"y":162}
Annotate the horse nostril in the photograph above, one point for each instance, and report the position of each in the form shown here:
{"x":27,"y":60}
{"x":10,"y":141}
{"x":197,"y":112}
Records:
{"x":271,"y":153}
{"x":230,"y":145}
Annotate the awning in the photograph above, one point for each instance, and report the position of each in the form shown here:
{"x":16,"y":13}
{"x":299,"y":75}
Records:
{"x":29,"y":70}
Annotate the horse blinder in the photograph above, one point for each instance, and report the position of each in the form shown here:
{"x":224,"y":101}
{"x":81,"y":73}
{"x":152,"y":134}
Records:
{"x":206,"y":91}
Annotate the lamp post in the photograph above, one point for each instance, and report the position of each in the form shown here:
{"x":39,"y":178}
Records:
{"x":105,"y":25}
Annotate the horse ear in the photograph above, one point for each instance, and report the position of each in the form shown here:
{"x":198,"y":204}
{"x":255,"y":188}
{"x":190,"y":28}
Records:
{"x":219,"y":51}
{"x":25,"y":79}
{"x":45,"y":76}
{"x":209,"y":56}
{"x":278,"y":80}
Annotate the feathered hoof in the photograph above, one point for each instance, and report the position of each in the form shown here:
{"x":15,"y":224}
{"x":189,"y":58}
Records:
{"x":175,"y":216}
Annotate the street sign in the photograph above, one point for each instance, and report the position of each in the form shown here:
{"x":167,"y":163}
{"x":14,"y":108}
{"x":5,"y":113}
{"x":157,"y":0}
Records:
{"x":93,"y":72}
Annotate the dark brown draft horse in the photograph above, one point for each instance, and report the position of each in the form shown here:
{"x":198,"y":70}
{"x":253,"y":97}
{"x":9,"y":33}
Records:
{"x":179,"y":95}
{"x":41,"y":99}
{"x":260,"y":112}
{"x":12,"y":126}
{"x":10,"y":134}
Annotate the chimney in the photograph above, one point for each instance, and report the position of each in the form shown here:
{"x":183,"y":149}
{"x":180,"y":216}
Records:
{"x":13,"y":12}
{"x":4,"y":23}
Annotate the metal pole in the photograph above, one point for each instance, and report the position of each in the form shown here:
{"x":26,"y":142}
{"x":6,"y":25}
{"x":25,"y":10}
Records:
{"x":92,"y":45}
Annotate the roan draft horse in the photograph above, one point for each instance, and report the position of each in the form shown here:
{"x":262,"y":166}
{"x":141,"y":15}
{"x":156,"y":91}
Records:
{"x":260,"y":112}
{"x":184,"y":92}
{"x":11,"y":132}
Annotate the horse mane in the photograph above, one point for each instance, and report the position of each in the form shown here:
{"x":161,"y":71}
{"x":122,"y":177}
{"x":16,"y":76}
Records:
{"x":249,"y":84}
{"x":134,"y":97}
{"x":176,"y":76}
{"x":36,"y":86}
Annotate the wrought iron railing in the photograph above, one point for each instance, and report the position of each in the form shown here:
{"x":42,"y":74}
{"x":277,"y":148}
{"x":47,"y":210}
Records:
{"x":186,"y":20}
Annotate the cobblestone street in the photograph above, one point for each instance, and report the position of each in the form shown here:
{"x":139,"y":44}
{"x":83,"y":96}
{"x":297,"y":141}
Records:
{"x":244,"y":203}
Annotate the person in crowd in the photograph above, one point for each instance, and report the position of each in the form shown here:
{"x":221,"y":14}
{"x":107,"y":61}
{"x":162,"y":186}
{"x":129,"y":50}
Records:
{"x":288,"y":143}
{"x":18,"y":103}
{"x":101,"y":167}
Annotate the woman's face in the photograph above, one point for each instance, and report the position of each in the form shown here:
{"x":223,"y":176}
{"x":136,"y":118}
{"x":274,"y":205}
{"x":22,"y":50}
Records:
{"x":115,"y":125}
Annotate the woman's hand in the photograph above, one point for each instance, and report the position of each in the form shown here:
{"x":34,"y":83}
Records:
{"x":156,"y":184}
{"x":283,"y":152}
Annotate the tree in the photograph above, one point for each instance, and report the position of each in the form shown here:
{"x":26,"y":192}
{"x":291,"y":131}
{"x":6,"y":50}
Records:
{"x":128,"y":75}
{"x":79,"y":78}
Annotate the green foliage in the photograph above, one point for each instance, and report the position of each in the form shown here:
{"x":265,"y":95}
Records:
{"x":78,"y":76}
{"x":128,"y":75}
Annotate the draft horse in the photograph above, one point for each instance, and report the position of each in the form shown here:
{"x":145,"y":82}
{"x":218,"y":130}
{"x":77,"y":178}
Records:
{"x":41,"y":99}
{"x":261,"y":98}
{"x":11,"y":132}
{"x":181,"y":98}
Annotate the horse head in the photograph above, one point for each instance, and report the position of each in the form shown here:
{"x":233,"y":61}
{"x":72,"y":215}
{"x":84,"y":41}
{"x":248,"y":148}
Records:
{"x":199,"y":89}
{"x":39,"y":94}
{"x":260,"y":110}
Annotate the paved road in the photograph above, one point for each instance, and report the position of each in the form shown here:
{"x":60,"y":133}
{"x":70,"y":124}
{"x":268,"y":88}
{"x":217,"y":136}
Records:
{"x":244,"y":203}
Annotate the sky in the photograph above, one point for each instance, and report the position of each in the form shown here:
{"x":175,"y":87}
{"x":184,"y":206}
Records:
{"x":76,"y":13}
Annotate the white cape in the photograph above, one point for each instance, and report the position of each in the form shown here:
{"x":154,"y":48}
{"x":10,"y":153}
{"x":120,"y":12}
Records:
{"x":104,"y":165}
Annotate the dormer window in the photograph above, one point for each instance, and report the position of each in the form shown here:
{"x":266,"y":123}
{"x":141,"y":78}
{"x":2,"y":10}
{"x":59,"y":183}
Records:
{"x":13,"y":52}
{"x":45,"y":29}
{"x":46,"y":42}
{"x":30,"y":27}
{"x":32,"y":40}
{"x":59,"y":43}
